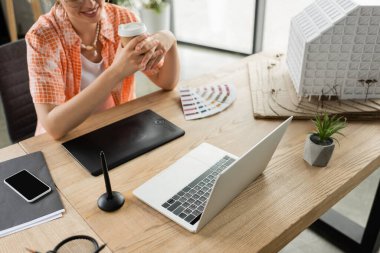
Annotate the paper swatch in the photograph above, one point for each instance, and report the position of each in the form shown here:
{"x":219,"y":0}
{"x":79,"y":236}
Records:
{"x":206,"y":100}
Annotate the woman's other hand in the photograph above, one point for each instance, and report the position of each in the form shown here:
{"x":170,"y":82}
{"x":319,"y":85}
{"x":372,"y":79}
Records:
{"x":163,"y":67}
{"x":164,"y":41}
{"x":128,"y":60}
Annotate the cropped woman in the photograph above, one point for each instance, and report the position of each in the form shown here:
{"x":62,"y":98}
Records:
{"x":77,"y":65}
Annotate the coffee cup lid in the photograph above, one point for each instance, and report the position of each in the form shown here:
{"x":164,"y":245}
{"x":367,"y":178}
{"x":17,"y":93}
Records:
{"x":131,"y":29}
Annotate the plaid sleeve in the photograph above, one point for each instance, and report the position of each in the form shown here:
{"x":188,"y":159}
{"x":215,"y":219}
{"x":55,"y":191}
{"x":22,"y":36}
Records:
{"x":45,"y":70}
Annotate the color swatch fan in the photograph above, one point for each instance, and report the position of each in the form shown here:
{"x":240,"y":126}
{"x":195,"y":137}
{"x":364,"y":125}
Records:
{"x":206,"y":100}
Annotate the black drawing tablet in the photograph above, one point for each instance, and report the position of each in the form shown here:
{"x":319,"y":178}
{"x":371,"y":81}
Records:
{"x":123,"y":140}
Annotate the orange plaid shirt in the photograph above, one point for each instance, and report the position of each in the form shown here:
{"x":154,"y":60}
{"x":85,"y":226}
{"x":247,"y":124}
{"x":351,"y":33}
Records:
{"x":54,"y":60}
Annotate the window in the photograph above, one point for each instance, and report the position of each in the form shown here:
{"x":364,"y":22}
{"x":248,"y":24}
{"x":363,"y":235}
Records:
{"x":222,"y":24}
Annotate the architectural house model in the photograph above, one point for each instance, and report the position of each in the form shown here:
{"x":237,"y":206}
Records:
{"x":334,"y":49}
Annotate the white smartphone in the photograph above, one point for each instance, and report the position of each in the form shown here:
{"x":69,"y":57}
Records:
{"x":28,"y":186}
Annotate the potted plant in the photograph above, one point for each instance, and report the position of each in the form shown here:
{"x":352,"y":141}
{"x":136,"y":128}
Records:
{"x":132,"y":5}
{"x":156,"y":15}
{"x":319,"y":145}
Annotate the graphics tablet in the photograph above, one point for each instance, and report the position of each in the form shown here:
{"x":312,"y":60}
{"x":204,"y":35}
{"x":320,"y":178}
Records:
{"x":123,"y":140}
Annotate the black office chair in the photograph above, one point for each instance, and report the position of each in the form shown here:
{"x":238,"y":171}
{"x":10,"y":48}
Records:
{"x":19,"y":110}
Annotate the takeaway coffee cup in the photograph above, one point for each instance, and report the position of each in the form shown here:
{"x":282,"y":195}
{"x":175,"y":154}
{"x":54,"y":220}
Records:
{"x":130,"y":30}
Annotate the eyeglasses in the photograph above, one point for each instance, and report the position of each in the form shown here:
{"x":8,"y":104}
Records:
{"x":77,"y":243}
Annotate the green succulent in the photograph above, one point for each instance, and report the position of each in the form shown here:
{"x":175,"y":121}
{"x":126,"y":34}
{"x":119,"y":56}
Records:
{"x":326,"y":126}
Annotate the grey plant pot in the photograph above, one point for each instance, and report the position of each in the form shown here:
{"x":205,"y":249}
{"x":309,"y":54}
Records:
{"x":317,"y":155}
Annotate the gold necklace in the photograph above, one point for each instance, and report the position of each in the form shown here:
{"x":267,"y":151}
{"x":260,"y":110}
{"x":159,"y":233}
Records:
{"x":93,"y":46}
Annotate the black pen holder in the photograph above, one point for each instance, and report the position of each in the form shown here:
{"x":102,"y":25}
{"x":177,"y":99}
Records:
{"x":111,"y":200}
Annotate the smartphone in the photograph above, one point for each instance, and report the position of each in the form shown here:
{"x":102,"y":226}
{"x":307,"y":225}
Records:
{"x":28,"y":186}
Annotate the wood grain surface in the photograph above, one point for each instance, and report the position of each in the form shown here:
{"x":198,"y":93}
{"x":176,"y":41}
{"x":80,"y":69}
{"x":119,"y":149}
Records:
{"x":45,"y":236}
{"x":281,"y":203}
{"x":274,"y":96}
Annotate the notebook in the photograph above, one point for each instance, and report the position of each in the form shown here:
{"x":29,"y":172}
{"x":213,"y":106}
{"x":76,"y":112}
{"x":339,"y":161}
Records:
{"x":17,"y":214}
{"x":123,"y":140}
{"x":199,"y":185}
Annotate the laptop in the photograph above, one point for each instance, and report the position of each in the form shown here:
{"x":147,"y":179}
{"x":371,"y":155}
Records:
{"x":123,"y":140}
{"x":199,"y":185}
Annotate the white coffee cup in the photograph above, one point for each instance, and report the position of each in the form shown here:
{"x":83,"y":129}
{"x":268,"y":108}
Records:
{"x":130,"y":30}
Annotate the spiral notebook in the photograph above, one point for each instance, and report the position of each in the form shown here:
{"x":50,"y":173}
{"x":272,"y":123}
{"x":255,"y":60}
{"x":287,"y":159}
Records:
{"x":123,"y":140}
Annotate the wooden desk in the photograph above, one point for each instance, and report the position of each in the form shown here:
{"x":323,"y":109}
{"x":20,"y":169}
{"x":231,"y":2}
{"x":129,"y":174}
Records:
{"x":286,"y":199}
{"x":46,"y":236}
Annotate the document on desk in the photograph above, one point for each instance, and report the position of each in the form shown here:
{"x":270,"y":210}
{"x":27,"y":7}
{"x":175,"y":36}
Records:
{"x":17,"y":214}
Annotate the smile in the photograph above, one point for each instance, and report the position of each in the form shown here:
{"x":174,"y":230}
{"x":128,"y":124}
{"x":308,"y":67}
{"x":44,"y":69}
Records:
{"x":91,"y":12}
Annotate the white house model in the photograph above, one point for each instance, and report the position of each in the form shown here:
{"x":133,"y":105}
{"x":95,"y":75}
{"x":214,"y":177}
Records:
{"x":334,"y":49}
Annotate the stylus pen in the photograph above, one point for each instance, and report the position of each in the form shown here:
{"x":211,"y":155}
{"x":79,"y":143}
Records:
{"x":105,"y":173}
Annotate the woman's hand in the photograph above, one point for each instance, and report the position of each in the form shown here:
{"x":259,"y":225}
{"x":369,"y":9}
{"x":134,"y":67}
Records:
{"x":164,"y":41}
{"x":163,"y":67}
{"x":128,"y":60}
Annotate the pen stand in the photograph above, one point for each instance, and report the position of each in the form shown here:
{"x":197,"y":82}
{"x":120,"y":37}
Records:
{"x":111,"y":200}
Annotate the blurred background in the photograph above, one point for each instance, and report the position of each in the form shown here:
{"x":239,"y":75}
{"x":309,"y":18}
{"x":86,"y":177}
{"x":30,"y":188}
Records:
{"x":211,"y":33}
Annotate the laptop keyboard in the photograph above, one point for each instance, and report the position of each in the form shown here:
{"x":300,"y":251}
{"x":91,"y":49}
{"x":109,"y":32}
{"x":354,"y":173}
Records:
{"x":190,"y":202}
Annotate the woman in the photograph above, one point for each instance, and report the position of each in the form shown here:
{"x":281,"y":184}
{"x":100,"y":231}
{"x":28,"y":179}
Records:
{"x":77,"y":66}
